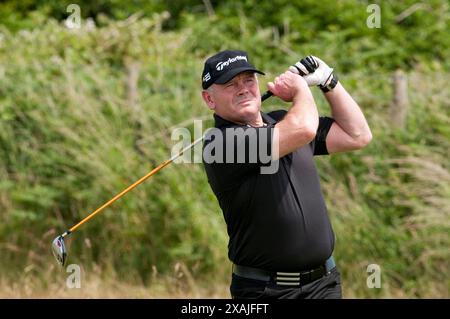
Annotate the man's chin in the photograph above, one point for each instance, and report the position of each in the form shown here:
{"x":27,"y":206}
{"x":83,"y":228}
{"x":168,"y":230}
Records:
{"x":249,"y":105}
{"x":249,"y":112}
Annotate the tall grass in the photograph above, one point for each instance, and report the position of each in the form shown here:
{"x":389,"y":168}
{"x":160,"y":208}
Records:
{"x":71,"y":138}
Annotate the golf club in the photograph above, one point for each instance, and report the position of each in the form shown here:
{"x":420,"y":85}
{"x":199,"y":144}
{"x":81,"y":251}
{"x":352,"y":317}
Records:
{"x":58,"y":246}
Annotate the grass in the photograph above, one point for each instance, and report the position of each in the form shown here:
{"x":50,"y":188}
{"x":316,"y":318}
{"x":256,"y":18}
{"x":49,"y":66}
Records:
{"x":96,"y":286}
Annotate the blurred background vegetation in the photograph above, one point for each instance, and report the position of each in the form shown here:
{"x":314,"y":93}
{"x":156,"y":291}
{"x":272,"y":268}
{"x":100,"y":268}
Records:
{"x":85,"y":112}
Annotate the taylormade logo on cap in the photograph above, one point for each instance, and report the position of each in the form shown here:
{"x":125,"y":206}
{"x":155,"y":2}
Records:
{"x":221,"y":65}
{"x":225,"y":65}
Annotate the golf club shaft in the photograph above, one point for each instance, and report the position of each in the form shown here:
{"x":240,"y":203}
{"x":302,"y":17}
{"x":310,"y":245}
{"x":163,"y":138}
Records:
{"x":266,"y":95}
{"x":129,"y":188}
{"x":140,"y":181}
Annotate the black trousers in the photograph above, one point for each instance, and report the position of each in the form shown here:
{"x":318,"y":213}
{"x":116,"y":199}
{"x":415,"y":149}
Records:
{"x":327,"y":287}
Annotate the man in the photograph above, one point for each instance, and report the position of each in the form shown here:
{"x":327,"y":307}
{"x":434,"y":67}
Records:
{"x":281,"y":239}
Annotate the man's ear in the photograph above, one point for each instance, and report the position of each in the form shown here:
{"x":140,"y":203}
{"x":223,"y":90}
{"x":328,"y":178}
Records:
{"x":208,"y":99}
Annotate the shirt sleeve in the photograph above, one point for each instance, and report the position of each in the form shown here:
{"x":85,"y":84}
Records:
{"x":319,"y":142}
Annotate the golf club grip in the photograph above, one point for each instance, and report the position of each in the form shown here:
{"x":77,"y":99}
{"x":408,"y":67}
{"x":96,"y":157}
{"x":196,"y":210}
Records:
{"x":266,"y":95}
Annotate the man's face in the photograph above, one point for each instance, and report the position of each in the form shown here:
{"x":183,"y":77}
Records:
{"x":238,"y":100}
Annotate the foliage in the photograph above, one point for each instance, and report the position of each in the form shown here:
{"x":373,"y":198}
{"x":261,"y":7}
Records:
{"x":72,"y":137}
{"x":410,"y":33}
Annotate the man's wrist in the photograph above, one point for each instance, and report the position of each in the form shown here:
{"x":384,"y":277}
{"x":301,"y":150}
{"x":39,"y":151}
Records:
{"x":302,"y":93}
{"x":331,"y":84}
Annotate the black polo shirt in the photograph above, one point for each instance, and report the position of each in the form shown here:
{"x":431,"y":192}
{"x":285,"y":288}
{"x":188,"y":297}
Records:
{"x":277,"y":221}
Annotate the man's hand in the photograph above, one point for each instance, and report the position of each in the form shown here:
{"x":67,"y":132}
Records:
{"x":315,"y":72}
{"x":287,"y":86}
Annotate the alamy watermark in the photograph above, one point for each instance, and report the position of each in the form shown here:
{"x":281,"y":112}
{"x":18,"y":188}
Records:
{"x":374,"y":279}
{"x":73,"y":21}
{"x":373,"y":20}
{"x":251,"y":145}
{"x":74,"y":279}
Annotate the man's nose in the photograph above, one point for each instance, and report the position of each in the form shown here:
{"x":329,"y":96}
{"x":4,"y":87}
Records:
{"x":241,"y":88}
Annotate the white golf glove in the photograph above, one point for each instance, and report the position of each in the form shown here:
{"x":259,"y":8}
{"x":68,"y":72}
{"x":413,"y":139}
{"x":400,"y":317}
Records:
{"x":315,"y":72}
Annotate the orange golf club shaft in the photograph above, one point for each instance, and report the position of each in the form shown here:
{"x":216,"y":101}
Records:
{"x":129,"y":188}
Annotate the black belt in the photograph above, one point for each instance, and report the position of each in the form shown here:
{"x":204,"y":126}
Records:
{"x":285,"y":278}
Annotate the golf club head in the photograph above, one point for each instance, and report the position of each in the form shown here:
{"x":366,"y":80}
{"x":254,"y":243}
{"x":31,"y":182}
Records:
{"x":59,"y":250}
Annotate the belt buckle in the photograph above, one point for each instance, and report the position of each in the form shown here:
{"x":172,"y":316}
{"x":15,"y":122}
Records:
{"x":287,"y":278}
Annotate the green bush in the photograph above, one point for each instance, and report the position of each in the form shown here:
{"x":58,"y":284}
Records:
{"x":71,"y":138}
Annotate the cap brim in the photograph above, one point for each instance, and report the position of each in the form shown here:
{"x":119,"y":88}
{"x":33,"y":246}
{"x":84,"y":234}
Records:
{"x":232,"y":73}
